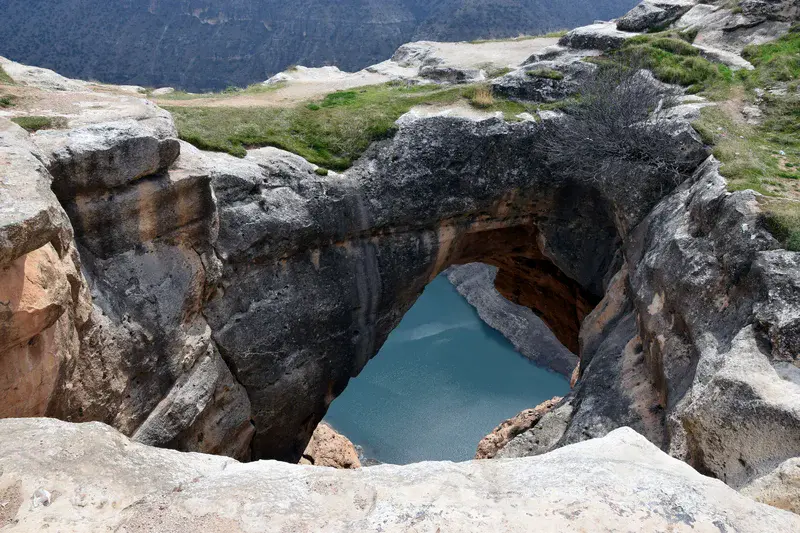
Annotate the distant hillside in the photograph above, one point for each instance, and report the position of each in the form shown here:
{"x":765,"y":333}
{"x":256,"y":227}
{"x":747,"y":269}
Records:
{"x":211,"y":44}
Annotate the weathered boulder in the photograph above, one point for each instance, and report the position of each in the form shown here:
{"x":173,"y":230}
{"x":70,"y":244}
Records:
{"x":544,"y":81}
{"x":509,"y":429}
{"x":98,"y":480}
{"x":328,"y":447}
{"x":599,"y":36}
{"x":653,"y":14}
{"x":451,"y":74}
{"x":518,"y":324}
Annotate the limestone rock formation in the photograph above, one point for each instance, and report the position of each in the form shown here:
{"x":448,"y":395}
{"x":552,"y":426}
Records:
{"x":518,"y":324}
{"x":597,"y":36}
{"x":653,"y":14}
{"x":508,"y":429}
{"x":98,"y":480}
{"x":43,"y":296}
{"x":207,"y":303}
{"x":545,"y":80}
{"x":328,"y":447}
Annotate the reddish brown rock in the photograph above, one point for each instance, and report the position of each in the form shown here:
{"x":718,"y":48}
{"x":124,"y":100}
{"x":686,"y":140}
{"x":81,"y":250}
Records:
{"x":502,"y":434}
{"x":328,"y":447}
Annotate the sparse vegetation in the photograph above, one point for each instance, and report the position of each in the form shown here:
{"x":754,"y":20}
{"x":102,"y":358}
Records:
{"x":332,"y":132}
{"x":547,"y":73}
{"x":36,"y":123}
{"x":482,"y":97}
{"x":672,"y":59}
{"x":321,"y":171}
{"x":763,"y":157}
{"x":614,"y":131}
{"x":492,"y":72}
{"x":5,"y":78}
{"x":7,"y":100}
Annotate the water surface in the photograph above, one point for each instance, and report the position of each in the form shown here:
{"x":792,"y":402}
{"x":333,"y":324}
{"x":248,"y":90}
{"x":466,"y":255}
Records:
{"x":441,"y":382}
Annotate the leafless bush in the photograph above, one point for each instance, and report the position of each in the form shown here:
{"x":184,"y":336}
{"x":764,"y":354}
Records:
{"x":616,"y":130}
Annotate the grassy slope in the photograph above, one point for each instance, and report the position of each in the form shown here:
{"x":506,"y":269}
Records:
{"x":335,"y":131}
{"x":332,"y":132}
{"x":764,"y":158}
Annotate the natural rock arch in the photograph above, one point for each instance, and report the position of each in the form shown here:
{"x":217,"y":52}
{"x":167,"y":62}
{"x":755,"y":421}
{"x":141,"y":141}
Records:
{"x":207,"y":298}
{"x":319,"y":271}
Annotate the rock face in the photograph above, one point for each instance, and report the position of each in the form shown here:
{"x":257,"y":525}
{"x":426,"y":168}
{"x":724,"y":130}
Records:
{"x":509,"y":429}
{"x":518,"y":324}
{"x":328,"y":447}
{"x":207,"y":303}
{"x":599,"y":36}
{"x":43,"y":296}
{"x":653,"y":14}
{"x":545,"y":80}
{"x":98,"y":480}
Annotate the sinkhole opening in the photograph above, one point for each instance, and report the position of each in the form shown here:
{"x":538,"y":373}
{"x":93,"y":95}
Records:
{"x":445,"y":379}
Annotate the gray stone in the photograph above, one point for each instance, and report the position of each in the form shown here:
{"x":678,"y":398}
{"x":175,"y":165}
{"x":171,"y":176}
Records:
{"x":599,"y":36}
{"x":653,"y":14}
{"x":99,"y":481}
{"x":451,"y":74}
{"x":106,"y":156}
{"x":544,"y":81}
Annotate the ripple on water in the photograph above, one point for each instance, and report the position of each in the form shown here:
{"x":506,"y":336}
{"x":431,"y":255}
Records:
{"x":442,"y":381}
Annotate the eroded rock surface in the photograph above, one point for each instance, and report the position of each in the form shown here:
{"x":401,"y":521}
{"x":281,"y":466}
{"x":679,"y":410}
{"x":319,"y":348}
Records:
{"x":509,"y":429}
{"x":328,"y":447}
{"x":99,"y":481}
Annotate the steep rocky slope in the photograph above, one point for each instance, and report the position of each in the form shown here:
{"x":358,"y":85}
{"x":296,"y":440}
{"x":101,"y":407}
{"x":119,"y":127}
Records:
{"x":97,"y":480}
{"x":213,"y":44}
{"x":204,"y":302}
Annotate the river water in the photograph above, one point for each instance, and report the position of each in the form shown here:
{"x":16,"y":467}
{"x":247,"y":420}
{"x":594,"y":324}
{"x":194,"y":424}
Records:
{"x":441,"y":382}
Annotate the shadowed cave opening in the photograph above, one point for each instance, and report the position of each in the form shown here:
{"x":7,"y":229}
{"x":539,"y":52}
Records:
{"x":444,"y":379}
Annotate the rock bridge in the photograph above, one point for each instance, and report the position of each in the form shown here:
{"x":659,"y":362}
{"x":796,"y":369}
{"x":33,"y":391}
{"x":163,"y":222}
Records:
{"x":223,"y":303}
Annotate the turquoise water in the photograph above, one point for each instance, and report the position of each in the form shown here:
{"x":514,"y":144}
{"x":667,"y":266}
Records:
{"x":441,"y":382}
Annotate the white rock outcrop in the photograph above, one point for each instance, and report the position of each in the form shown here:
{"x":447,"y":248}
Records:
{"x":98,"y":480}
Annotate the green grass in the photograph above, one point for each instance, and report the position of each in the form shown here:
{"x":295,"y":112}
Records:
{"x":5,"y":78}
{"x":778,"y":61}
{"x":7,"y":100}
{"x":36,"y":123}
{"x":782,"y":218}
{"x":763,"y":157}
{"x":672,"y":59}
{"x":547,"y":73}
{"x":332,"y":132}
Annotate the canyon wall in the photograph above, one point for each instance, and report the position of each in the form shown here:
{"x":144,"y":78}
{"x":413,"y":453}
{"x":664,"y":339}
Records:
{"x":214,"y":44}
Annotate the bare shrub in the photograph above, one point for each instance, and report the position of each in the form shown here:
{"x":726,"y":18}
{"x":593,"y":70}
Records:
{"x":616,"y":129}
